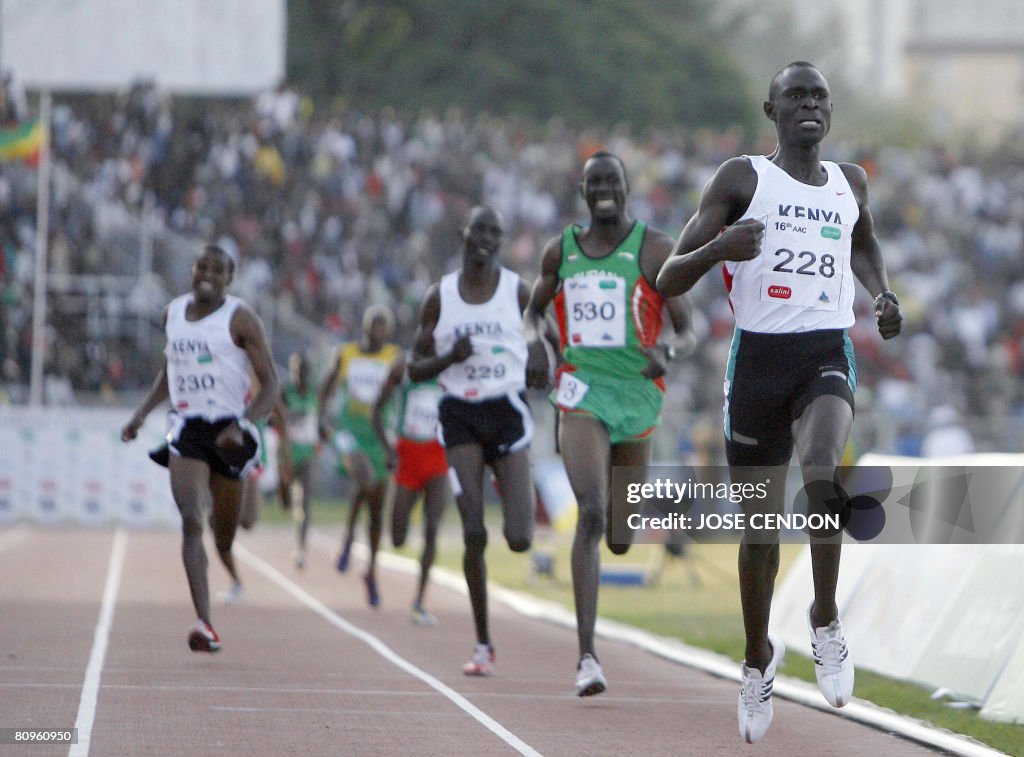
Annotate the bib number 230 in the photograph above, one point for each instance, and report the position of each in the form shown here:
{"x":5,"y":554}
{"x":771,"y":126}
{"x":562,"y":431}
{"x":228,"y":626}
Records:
{"x":195,"y":382}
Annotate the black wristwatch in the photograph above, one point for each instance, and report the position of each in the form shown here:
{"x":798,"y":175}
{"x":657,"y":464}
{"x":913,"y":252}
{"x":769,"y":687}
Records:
{"x":891,"y":296}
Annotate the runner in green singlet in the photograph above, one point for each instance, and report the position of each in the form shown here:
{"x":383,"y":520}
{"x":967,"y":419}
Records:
{"x":361,"y":367}
{"x":601,"y":281}
{"x":299,"y":449}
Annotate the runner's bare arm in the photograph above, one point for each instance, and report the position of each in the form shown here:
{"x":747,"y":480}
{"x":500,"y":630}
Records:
{"x":680,"y":340}
{"x":677,"y":343}
{"x":247,"y":330}
{"x":157,"y":394}
{"x":279,"y":420}
{"x":538,"y":361}
{"x":866,"y":257}
{"x":387,"y":391}
{"x":323,"y":397}
{"x":426,"y":363}
{"x":712,"y":234}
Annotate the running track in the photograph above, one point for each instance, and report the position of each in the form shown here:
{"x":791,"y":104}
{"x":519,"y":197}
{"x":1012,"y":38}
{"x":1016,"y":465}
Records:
{"x":92,"y":633}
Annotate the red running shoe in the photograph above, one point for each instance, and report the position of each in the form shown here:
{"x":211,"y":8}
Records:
{"x":202,"y":638}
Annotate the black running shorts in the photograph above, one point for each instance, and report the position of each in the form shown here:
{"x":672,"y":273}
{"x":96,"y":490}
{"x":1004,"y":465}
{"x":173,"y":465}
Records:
{"x":194,"y":438}
{"x":500,"y":425}
{"x":771,"y":379}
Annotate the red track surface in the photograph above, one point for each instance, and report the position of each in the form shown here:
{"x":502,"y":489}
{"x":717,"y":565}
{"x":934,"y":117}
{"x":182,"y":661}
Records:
{"x":291,"y":681}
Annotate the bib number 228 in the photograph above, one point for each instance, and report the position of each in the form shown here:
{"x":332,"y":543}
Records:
{"x":809,"y":263}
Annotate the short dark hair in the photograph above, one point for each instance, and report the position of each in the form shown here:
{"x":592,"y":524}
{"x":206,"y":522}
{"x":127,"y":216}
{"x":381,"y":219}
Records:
{"x":606,"y":154}
{"x":218,"y":250}
{"x":773,"y":87}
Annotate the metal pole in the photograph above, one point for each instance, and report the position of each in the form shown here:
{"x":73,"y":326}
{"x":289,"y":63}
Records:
{"x":142,"y":330}
{"x":42,"y":245}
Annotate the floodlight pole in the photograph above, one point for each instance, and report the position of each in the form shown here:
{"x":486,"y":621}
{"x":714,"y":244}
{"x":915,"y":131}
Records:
{"x":42,"y":246}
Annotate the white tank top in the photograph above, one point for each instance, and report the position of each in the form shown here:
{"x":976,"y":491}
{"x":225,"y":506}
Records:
{"x":802,"y":280}
{"x":420,"y":411}
{"x":498,"y":363}
{"x":207,"y":373}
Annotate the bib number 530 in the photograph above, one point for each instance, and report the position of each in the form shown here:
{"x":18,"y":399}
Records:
{"x":589,"y":311}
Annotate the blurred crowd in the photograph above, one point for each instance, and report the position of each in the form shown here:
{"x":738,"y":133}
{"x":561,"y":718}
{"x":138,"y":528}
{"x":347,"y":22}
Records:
{"x":330,"y":209}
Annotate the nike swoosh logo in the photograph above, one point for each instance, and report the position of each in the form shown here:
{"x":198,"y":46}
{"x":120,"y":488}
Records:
{"x":840,"y":193}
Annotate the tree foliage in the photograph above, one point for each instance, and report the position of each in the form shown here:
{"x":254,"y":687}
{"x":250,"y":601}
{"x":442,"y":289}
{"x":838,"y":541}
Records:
{"x":600,"y":62}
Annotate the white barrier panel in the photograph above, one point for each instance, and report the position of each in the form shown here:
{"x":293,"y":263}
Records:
{"x":60,"y":465}
{"x":13,"y":487}
{"x":7,"y":497}
{"x":901,"y":592}
{"x":980,"y":627}
{"x":213,"y":47}
{"x":1006,"y":700}
{"x":947,"y":615}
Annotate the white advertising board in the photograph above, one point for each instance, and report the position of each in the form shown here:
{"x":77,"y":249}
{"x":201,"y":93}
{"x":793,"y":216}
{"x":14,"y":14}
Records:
{"x":203,"y":47}
{"x":62,"y":466}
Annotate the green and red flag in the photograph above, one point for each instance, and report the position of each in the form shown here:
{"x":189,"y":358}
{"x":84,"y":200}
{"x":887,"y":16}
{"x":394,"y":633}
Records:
{"x":21,"y":142}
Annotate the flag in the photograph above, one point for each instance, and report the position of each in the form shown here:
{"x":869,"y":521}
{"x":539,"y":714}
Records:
{"x":21,"y":142}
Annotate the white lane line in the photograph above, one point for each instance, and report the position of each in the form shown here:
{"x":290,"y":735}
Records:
{"x":676,"y":651}
{"x":90,"y":688}
{"x":384,"y":651}
{"x":345,"y":712}
{"x":383,"y":694}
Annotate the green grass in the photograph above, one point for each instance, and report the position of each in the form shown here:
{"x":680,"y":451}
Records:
{"x":696,"y":600}
{"x":330,"y":512}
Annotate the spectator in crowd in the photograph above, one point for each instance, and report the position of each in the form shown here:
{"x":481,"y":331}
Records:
{"x":946,"y":436}
{"x":367,"y":202}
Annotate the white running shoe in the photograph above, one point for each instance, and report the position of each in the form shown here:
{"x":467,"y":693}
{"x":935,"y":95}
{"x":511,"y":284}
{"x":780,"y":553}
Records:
{"x":299,"y":558}
{"x":421,"y":617}
{"x":754,"y":706}
{"x":233,"y":594}
{"x":482,"y":662}
{"x":832,"y":664}
{"x":590,"y":678}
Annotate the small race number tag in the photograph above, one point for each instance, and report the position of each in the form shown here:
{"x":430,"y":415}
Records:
{"x":420,"y":420}
{"x":302,"y":429}
{"x":571,"y":391}
{"x":364,"y":378}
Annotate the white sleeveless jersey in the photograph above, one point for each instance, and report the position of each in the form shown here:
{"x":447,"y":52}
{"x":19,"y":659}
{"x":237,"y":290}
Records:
{"x":207,"y":373}
{"x":419,"y":411}
{"x":802,"y":280}
{"x":498,"y":363}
